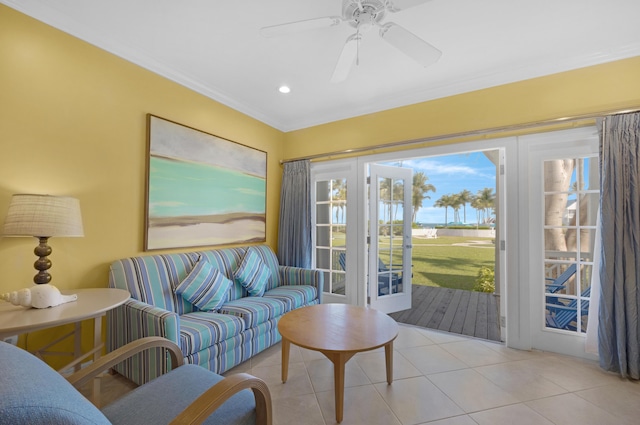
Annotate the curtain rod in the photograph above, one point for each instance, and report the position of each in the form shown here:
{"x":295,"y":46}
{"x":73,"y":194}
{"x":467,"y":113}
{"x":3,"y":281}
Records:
{"x":493,"y":130}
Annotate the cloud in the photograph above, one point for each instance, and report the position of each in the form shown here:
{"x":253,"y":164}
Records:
{"x":451,"y":174}
{"x":434,"y":168}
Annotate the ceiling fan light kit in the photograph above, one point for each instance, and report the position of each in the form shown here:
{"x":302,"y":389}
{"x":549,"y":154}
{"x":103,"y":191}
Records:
{"x":364,"y":15}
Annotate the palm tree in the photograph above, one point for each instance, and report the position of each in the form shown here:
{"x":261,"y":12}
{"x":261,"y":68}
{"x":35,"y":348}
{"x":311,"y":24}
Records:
{"x":385,"y":196}
{"x":398,"y":197}
{"x":465,"y":198}
{"x":477,"y":205}
{"x":340,"y":194}
{"x":485,"y":199}
{"x":456,"y":203}
{"x":445,"y":201}
{"x":420,"y":190}
{"x":557,"y":179}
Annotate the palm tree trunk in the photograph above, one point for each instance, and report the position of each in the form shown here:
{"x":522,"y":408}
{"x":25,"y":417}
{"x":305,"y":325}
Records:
{"x":557,"y":177}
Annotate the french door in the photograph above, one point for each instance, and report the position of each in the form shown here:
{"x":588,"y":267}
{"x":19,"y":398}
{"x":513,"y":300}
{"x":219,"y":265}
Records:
{"x":390,"y":206}
{"x":363,"y":264}
{"x":334,"y":217}
{"x":563,"y":204}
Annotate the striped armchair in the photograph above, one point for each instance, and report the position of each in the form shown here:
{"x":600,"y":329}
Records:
{"x":218,"y":339}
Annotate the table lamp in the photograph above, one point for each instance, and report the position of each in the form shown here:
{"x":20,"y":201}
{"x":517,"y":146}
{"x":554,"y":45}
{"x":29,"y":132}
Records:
{"x":43,"y":216}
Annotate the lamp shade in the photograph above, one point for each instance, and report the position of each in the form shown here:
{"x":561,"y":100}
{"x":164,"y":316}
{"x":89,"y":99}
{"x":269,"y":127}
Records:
{"x":43,"y":216}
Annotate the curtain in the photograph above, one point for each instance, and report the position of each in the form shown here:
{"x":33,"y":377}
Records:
{"x":618,"y":328}
{"x":294,"y":236}
{"x":591,"y":344}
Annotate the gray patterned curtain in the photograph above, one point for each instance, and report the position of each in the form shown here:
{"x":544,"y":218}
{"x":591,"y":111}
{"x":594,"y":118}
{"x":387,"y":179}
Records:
{"x":294,"y":236}
{"x":619,"y":327}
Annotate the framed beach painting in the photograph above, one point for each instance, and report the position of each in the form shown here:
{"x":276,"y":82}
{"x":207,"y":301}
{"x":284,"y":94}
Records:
{"x":202,"y":189}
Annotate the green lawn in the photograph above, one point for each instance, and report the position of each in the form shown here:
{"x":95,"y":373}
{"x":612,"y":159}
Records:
{"x":443,"y":262}
{"x":438,"y":262}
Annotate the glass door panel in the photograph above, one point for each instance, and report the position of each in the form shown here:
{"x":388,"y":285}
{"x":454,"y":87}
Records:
{"x":571,"y":196}
{"x":330,"y":235}
{"x":390,"y":238}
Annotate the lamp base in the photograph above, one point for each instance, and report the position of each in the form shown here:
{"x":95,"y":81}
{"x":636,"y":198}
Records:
{"x":42,"y":264}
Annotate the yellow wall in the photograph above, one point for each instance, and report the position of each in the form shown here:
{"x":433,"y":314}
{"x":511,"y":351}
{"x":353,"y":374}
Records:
{"x":606,"y":87}
{"x":73,"y":122}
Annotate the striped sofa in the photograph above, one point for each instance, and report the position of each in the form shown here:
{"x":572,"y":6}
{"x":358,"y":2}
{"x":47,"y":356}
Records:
{"x":217,"y":340}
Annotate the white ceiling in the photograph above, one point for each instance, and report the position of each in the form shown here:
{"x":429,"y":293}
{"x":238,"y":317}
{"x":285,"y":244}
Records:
{"x":215,"y":48}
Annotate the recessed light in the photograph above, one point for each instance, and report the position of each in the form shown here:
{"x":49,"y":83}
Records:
{"x":284,"y":89}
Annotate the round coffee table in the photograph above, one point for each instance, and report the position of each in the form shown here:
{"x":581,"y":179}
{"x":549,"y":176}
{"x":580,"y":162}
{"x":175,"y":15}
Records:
{"x":338,"y":331}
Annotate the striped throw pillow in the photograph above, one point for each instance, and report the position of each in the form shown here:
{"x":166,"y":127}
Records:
{"x":205,"y":287}
{"x":253,"y":274}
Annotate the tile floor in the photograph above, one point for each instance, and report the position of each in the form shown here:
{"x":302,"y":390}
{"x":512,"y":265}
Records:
{"x":447,"y":379}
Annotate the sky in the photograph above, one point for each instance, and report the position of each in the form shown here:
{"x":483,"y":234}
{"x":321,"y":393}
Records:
{"x":451,"y":174}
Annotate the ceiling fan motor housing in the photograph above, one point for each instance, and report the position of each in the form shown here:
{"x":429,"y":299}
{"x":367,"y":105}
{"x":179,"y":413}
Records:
{"x":363,"y":14}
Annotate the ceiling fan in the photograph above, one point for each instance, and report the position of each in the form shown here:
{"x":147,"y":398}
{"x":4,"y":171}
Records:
{"x":365,"y":15}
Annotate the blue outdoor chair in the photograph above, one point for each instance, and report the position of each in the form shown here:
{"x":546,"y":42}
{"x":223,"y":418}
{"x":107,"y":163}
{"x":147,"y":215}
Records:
{"x":563,"y":316}
{"x":560,"y":282}
{"x":383,"y":279}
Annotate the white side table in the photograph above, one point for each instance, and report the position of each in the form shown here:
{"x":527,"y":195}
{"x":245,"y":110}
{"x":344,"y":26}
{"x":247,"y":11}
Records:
{"x":91,"y":304}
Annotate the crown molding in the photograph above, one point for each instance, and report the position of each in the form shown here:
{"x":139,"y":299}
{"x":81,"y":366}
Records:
{"x":499,"y":76}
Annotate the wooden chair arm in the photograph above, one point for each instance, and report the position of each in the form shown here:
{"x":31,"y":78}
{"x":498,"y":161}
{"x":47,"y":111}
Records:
{"x":214,"y":397}
{"x":85,"y":375}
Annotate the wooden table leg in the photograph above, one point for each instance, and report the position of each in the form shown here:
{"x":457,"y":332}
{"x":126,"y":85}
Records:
{"x":339,"y":362}
{"x":97,"y":342}
{"x":77,"y":344}
{"x":285,"y":359}
{"x":388,"y":355}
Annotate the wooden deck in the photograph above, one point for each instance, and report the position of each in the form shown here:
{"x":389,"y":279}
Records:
{"x":453,"y":310}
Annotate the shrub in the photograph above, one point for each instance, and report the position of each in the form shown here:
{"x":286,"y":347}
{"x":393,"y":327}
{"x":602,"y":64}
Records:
{"x":485,"y":282}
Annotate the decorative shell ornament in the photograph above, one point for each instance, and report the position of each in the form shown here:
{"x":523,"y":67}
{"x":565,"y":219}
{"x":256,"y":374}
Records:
{"x":38,"y":296}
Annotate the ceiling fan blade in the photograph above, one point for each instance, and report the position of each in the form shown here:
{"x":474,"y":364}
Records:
{"x":397,"y":5}
{"x":306,"y":25}
{"x":410,"y":44}
{"x":346,"y":59}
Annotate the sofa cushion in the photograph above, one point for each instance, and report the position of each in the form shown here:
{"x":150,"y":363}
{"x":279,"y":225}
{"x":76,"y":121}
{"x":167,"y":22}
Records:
{"x":205,"y":287}
{"x":253,"y":274}
{"x":294,"y":295}
{"x":255,"y":310}
{"x":202,"y":329}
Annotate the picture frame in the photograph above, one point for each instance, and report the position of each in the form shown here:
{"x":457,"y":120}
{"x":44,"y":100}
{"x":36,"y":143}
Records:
{"x":201,"y":189}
